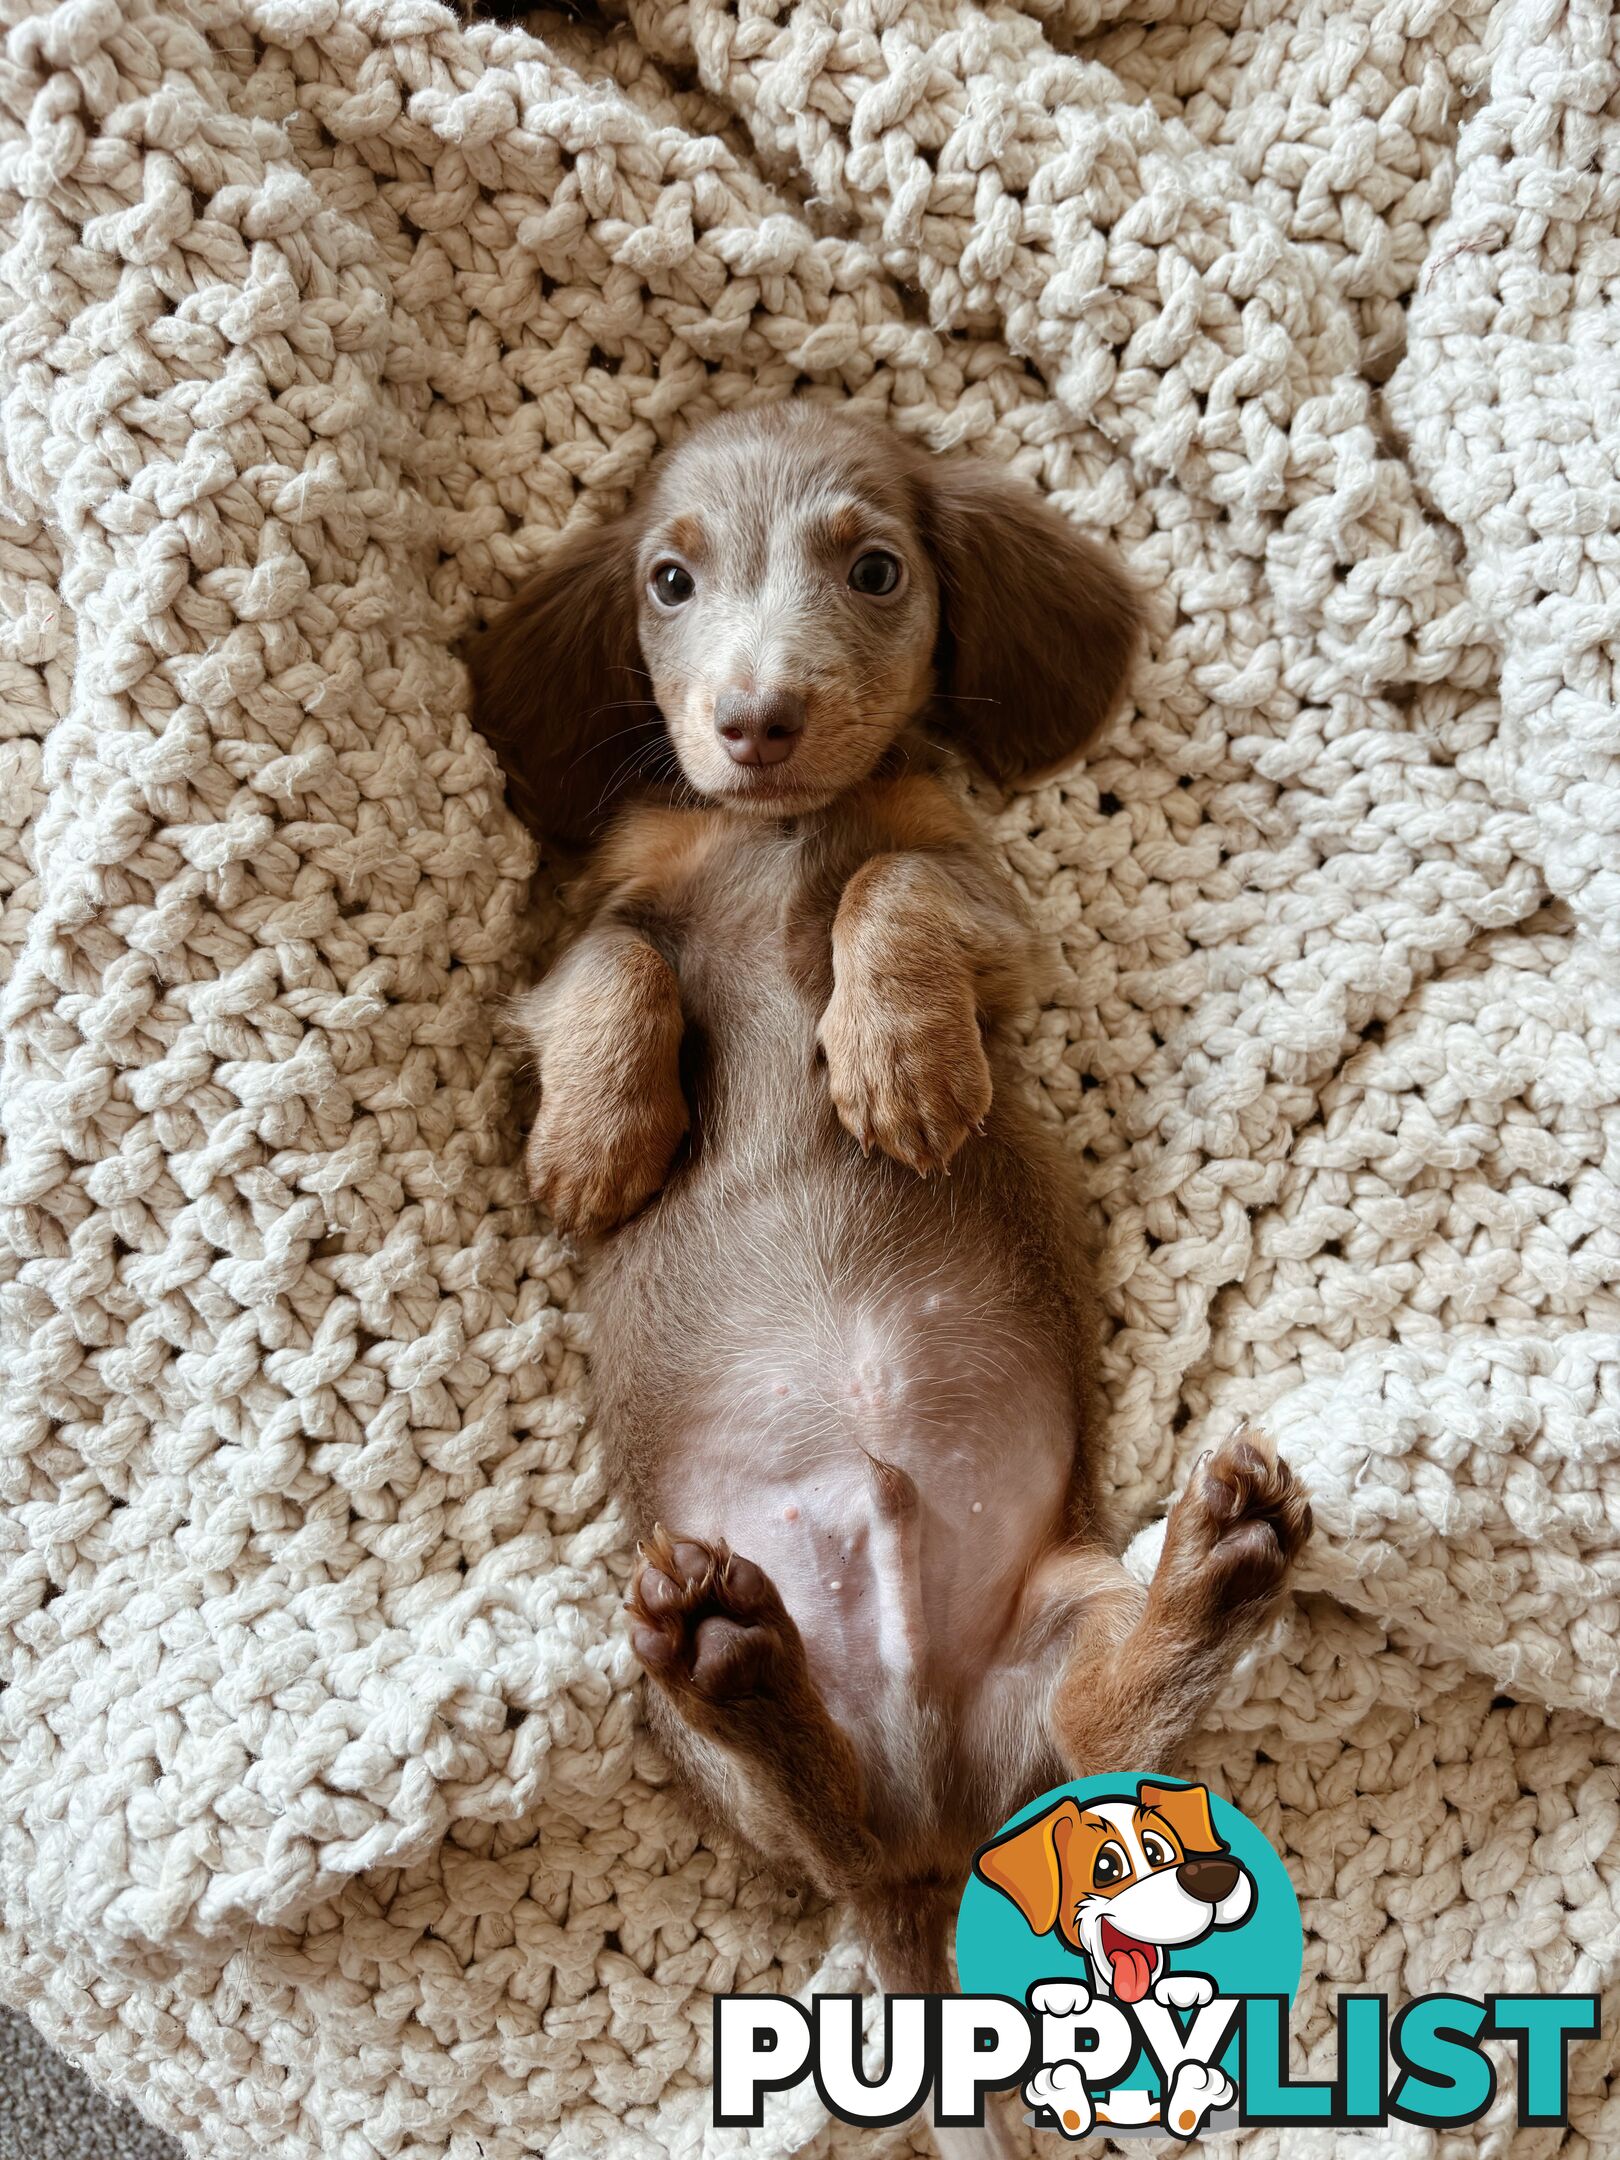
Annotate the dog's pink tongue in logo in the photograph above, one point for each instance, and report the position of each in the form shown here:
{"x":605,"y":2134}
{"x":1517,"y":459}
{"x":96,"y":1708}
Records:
{"x":1132,"y":1963}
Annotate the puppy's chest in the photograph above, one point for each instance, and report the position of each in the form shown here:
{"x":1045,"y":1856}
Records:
{"x":751,"y":942}
{"x":755,"y":928}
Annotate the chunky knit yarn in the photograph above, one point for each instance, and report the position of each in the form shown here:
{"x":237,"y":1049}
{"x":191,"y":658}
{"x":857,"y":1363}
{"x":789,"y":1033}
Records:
{"x":327,"y":1825}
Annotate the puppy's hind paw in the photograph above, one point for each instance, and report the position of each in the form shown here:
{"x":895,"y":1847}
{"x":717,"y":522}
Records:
{"x":707,"y":1623}
{"x":1234,"y":1533}
{"x":1258,"y":1511}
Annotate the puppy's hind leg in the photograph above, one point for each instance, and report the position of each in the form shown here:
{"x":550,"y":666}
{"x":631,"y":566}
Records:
{"x":723,"y":1652}
{"x":1143,"y":1666}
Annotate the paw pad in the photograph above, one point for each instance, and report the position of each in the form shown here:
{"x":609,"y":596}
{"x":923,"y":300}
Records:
{"x":704,"y":1619}
{"x":1237,"y":1529}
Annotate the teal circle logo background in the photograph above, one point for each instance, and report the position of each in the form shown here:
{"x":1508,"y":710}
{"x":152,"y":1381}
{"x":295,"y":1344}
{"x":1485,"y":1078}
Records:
{"x":997,"y":1953}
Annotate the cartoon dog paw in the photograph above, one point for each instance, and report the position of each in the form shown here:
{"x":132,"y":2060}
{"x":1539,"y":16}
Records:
{"x":1196,"y":2090}
{"x":1062,"y":2088}
{"x":1060,"y":1998}
{"x":707,"y":1623}
{"x":1184,"y":1991}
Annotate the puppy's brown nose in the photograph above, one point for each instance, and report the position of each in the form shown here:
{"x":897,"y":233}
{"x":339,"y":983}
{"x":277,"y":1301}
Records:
{"x":1208,"y":1880}
{"x":759,"y":727}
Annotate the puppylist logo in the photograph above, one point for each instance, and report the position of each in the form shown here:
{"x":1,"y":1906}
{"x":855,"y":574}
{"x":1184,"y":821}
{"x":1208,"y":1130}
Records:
{"x":1142,"y":1926}
{"x":1128,"y":1949}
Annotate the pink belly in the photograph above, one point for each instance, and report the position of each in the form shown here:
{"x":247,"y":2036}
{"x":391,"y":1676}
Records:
{"x":895,"y":1468}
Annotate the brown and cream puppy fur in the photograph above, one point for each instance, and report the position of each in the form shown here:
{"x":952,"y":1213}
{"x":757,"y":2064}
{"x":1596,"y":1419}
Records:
{"x":843,"y":1332}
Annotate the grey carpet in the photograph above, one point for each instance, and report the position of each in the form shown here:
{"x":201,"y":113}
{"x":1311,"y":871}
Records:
{"x":49,"y":2112}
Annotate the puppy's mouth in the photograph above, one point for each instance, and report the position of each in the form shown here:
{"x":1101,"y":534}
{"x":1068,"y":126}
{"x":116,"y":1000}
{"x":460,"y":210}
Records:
{"x":770,"y":787}
{"x":1131,"y":1963}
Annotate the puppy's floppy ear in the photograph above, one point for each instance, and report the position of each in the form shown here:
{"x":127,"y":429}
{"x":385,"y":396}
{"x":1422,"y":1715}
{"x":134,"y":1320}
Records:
{"x":1039,"y":626}
{"x":559,"y":691}
{"x":1027,"y":1865}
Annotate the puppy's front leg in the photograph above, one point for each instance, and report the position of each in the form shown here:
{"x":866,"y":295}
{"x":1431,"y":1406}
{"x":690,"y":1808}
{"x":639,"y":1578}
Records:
{"x":606,"y":1025}
{"x":928,"y":950}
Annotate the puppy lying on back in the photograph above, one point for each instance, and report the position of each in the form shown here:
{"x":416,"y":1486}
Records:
{"x":842,"y":1332}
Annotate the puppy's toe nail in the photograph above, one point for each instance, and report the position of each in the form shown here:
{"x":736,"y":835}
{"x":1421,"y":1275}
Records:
{"x":693,"y":1560}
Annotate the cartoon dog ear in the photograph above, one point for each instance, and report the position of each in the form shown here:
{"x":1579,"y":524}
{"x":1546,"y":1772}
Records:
{"x":559,"y":692}
{"x":1186,"y":1809}
{"x":1027,"y":1865}
{"x":1038,"y":624}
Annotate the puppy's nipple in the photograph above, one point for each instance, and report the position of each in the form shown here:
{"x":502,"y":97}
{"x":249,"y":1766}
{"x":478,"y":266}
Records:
{"x":790,"y":1513}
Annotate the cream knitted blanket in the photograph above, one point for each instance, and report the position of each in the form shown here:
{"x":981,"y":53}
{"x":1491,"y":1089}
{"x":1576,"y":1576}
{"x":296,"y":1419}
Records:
{"x":326,"y":1823}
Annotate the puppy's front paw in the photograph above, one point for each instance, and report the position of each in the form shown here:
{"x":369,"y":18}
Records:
{"x":707,"y":1623}
{"x":1232,"y":1537}
{"x":907,"y":1074}
{"x":601,"y":1147}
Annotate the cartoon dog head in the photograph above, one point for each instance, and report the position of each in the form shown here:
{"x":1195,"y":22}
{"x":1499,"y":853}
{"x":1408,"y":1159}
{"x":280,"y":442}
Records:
{"x":1122,"y":1879}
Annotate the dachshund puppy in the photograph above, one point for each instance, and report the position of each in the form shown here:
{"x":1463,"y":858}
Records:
{"x":843,"y":1336}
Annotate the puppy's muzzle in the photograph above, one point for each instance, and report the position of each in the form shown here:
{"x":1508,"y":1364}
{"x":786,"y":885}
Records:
{"x":1208,"y":1880}
{"x":759,"y":727}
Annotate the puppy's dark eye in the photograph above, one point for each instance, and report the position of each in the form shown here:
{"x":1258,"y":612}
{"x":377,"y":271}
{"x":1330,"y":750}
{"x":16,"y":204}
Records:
{"x":1156,"y":1852}
{"x":875,"y":573}
{"x":671,"y":584}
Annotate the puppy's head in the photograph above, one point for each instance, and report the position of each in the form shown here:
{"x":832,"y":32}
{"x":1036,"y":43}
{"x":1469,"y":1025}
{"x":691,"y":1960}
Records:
{"x":1122,"y":1880}
{"x":787,"y":593}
